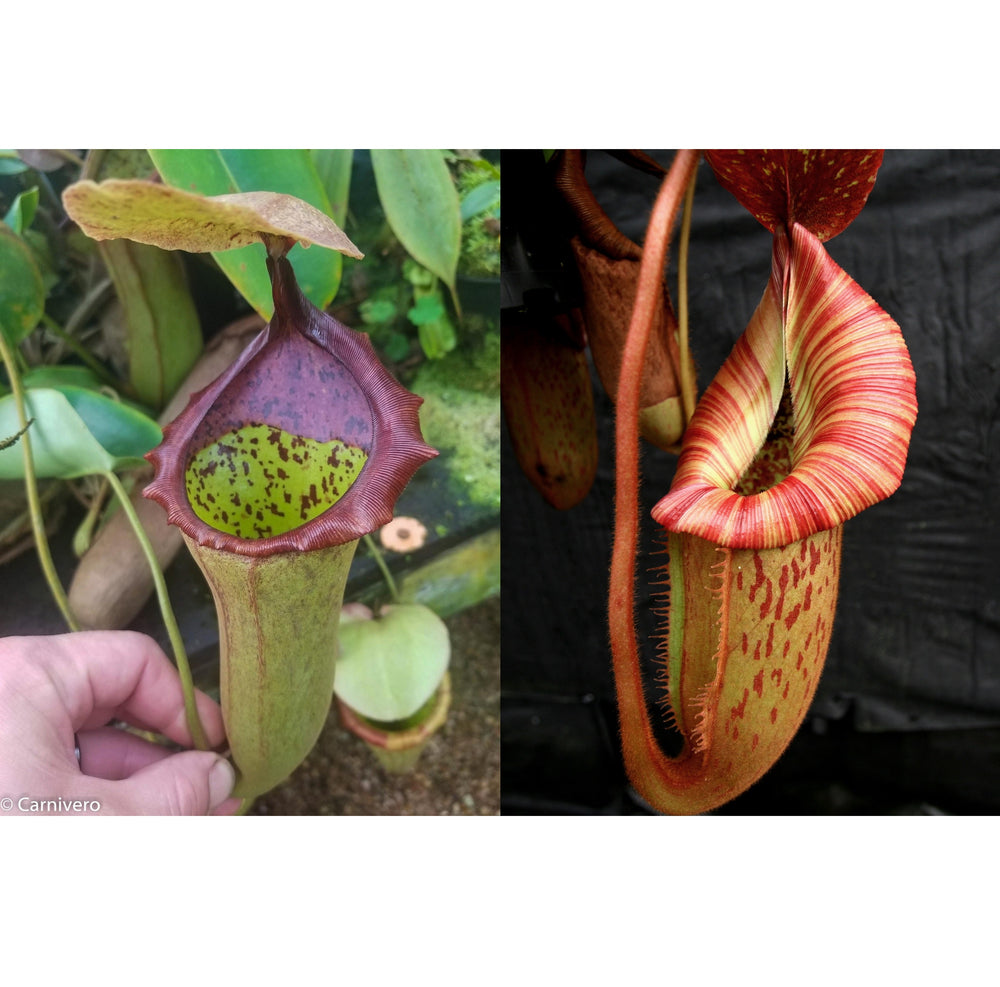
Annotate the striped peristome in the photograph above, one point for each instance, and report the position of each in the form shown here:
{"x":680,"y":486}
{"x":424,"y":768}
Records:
{"x":853,"y":395}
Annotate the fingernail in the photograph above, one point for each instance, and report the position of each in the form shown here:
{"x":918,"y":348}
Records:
{"x":221,"y":780}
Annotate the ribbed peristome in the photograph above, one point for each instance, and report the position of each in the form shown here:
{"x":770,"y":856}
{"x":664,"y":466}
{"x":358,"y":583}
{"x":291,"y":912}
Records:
{"x":312,"y":376}
{"x":853,"y":397}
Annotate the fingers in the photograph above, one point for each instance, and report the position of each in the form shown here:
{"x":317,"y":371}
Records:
{"x":53,"y":687}
{"x":104,"y":675}
{"x":116,"y":754}
{"x":191,"y":783}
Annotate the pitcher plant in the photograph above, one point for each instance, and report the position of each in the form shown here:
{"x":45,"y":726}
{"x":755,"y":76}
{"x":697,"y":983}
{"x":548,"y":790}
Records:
{"x":274,"y":471}
{"x":806,"y":424}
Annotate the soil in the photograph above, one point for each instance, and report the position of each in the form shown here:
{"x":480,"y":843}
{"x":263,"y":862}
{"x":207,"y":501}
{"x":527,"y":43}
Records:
{"x":458,"y":773}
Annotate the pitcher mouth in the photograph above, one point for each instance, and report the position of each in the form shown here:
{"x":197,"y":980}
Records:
{"x":305,"y":442}
{"x":850,"y":425}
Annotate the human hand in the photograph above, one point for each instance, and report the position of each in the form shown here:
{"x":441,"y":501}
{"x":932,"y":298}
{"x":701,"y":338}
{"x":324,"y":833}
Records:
{"x":52,"y":688}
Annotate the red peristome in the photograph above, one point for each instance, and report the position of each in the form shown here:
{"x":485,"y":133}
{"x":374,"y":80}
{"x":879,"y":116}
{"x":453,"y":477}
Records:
{"x":310,"y":375}
{"x":820,"y":190}
{"x":853,"y":394}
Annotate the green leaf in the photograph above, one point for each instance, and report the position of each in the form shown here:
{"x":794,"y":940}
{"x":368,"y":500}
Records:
{"x":480,"y":199}
{"x":426,"y":310}
{"x":434,"y":329}
{"x":437,"y":339}
{"x":75,"y":432}
{"x":292,"y":172}
{"x":22,"y":294}
{"x":11,"y":164}
{"x":62,"y":375}
{"x":421,"y":205}
{"x":22,"y":210}
{"x":164,"y":333}
{"x":334,"y":170}
{"x":391,"y":665}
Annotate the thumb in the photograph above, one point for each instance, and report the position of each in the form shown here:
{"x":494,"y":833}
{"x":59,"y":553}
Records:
{"x":191,"y":783}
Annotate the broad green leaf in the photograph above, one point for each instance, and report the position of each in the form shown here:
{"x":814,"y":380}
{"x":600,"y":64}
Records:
{"x":421,"y":205}
{"x":334,"y":170}
{"x":65,"y":375}
{"x":290,"y":172}
{"x":22,"y":210}
{"x":390,"y":666}
{"x":75,"y":432}
{"x":22,"y":294}
{"x":164,"y":333}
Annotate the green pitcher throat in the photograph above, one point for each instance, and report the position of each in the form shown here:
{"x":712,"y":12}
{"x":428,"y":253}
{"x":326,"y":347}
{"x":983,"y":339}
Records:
{"x":260,"y":481}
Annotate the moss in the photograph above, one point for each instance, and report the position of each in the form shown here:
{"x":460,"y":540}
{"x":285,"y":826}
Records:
{"x":461,"y":417}
{"x":474,"y":367}
{"x":481,"y":247}
{"x":480,"y":253}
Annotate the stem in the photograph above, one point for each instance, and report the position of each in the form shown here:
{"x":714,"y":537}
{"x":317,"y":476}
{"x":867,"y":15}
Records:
{"x":643,"y":756}
{"x":69,"y":156}
{"x":10,"y":440}
{"x":20,"y":360}
{"x":89,"y":304}
{"x":381,"y":563}
{"x":31,"y":489}
{"x":85,"y":532}
{"x":688,"y":385}
{"x":173,"y":631}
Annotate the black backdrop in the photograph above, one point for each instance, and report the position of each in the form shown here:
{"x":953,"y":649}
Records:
{"x":906,"y":718}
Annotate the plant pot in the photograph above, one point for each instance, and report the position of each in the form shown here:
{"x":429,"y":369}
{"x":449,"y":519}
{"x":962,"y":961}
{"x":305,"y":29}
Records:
{"x":398,"y":750}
